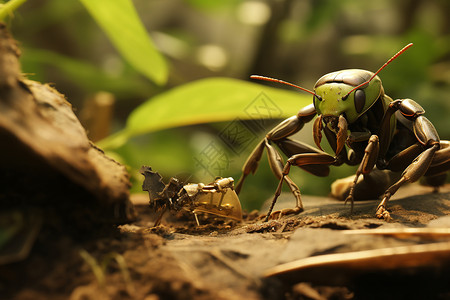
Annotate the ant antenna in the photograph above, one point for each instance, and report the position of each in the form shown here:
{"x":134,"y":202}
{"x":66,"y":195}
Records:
{"x":281,"y":81}
{"x":382,"y":67}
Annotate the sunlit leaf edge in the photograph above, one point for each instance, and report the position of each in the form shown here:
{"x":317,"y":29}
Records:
{"x":124,"y":28}
{"x":206,"y":101}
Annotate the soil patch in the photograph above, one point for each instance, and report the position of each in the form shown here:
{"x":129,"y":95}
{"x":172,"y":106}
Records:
{"x":222,"y":259}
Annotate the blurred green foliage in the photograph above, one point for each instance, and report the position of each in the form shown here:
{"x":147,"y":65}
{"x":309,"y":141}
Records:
{"x":174,"y":93}
{"x":120,"y":21}
{"x":85,"y":74}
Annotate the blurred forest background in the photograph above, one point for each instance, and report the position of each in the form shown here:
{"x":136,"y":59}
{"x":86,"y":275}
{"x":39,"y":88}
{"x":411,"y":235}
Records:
{"x":295,"y":40}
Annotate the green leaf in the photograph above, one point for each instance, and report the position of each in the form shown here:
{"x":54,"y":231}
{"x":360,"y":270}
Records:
{"x":206,"y":101}
{"x":121,"y":23}
{"x":9,"y":7}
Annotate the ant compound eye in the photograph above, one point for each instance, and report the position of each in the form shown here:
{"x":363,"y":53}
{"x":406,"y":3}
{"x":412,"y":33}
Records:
{"x":316,"y":98}
{"x":360,"y":100}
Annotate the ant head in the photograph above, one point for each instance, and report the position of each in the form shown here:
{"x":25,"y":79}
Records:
{"x":362,"y":85}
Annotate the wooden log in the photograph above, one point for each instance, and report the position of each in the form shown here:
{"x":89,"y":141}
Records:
{"x":46,"y":158}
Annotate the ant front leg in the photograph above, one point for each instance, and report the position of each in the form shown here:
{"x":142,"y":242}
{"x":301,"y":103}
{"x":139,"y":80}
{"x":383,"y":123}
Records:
{"x":365,"y":167}
{"x":279,"y":135}
{"x":428,"y":139}
{"x":280,"y":132}
{"x":302,"y":159}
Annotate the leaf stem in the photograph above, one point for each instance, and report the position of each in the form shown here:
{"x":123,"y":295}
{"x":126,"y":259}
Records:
{"x":9,"y":7}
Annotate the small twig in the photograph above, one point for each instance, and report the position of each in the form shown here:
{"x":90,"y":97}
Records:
{"x":215,"y":253}
{"x":282,"y":228}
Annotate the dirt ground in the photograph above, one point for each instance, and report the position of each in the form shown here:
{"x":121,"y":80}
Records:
{"x":222,"y":259}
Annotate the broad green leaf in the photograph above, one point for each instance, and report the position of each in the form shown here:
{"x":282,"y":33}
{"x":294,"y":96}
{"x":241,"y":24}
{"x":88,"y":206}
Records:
{"x":121,"y":23}
{"x":206,"y":101}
